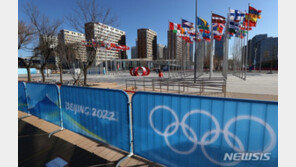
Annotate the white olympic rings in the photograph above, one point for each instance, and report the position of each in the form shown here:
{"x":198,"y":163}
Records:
{"x":203,"y":142}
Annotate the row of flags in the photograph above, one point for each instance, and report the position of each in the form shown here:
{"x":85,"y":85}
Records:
{"x":241,"y":22}
{"x":238,"y":24}
{"x":106,"y":45}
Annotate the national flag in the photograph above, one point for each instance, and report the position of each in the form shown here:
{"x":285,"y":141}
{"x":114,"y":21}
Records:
{"x":203,"y":25}
{"x":180,"y":28}
{"x":218,"y":30}
{"x":240,"y":34}
{"x":173,"y":27}
{"x":191,"y":32}
{"x":248,"y":22}
{"x":218,"y":19}
{"x":218,"y":27}
{"x":204,"y":31}
{"x":234,"y":26}
{"x":202,"y":22}
{"x":218,"y":37}
{"x":206,"y":36}
{"x":236,"y":15}
{"x":251,"y":17}
{"x":187,"y":24}
{"x":185,"y":38}
{"x":245,"y":28}
{"x":255,"y":12}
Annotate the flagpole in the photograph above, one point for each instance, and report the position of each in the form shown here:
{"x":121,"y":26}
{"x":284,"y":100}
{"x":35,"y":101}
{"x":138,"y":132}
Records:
{"x":242,"y":56}
{"x":225,"y":48}
{"x":246,"y":62}
{"x":211,"y":53}
{"x":195,"y":56}
{"x":167,"y":57}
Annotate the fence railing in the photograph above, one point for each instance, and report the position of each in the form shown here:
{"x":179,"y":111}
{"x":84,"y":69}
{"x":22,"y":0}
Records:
{"x":178,"y":85}
{"x":170,"y":129}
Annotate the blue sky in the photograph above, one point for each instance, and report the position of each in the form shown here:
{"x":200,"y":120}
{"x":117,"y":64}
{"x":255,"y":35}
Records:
{"x":155,"y":14}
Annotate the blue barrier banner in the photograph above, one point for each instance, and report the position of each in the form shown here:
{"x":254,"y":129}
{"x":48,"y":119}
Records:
{"x":184,"y":130}
{"x":43,"y":102}
{"x":22,"y":98}
{"x":101,"y":114}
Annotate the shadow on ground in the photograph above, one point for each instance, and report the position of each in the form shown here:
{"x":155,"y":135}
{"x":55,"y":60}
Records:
{"x":36,"y":149}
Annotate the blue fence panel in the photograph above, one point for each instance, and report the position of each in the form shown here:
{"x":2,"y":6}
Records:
{"x":102,"y":114}
{"x":22,"y":98}
{"x":43,"y":102}
{"x":183,"y":130}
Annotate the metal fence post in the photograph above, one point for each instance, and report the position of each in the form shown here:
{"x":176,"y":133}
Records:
{"x":131,"y":153}
{"x":160,"y":85}
{"x":224,"y":88}
{"x":153,"y":84}
{"x":167,"y":85}
{"x":179,"y":87}
{"x":144,"y":84}
{"x":200,"y":87}
{"x":28,"y":113}
{"x":61,"y":113}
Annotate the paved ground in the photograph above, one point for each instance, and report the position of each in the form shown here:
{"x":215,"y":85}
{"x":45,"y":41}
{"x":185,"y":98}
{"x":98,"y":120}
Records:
{"x":256,"y":83}
{"x":36,"y":149}
{"x":262,"y":86}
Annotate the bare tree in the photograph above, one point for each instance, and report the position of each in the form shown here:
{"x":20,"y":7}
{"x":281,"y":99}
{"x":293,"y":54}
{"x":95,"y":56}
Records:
{"x":67,"y":55}
{"x":46,"y":31}
{"x":25,"y":34}
{"x":89,"y":11}
{"x":27,"y":63}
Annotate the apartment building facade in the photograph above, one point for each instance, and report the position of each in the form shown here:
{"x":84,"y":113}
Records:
{"x":67,"y":36}
{"x":174,"y":50}
{"x":101,"y":32}
{"x":147,"y":44}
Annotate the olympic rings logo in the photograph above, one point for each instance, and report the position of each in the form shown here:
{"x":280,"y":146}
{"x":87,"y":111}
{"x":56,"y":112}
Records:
{"x":203,"y":142}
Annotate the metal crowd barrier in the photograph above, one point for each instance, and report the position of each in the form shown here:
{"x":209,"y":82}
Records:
{"x":186,"y":130}
{"x":178,"y":85}
{"x":170,"y":129}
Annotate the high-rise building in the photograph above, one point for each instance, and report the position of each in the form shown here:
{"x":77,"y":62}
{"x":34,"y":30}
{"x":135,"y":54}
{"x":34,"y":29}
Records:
{"x":66,"y":37}
{"x":102,"y":32}
{"x":186,"y":51}
{"x":252,"y":44}
{"x":268,"y":49}
{"x":262,"y":49}
{"x":219,"y":49}
{"x":147,"y":44}
{"x":174,"y":50}
{"x":165,"y":52}
{"x":160,"y":52}
{"x":134,"y":52}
